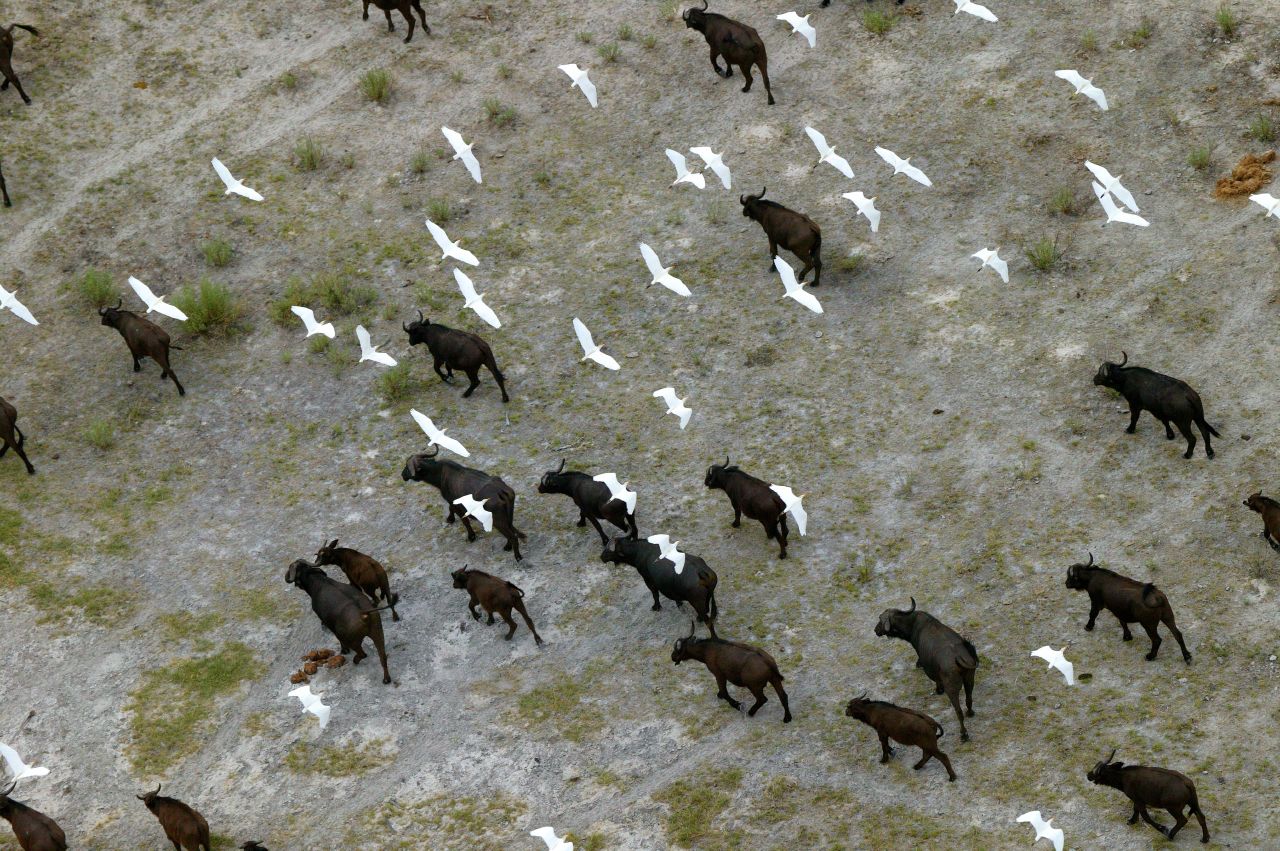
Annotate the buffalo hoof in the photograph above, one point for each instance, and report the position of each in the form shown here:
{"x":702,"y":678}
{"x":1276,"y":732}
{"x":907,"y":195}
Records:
{"x":1127,"y":638}
{"x":1210,"y":453}
{"x":969,"y":713}
{"x":1133,"y":820}
{"x":505,"y":549}
{"x":782,"y":554}
{"x":450,"y":518}
{"x":1186,"y":657}
{"x":386,"y":679}
{"x":1150,"y":657}
{"x":884,"y":760}
{"x":786,"y":719}
{"x":771,"y":100}
{"x":964,"y":737}
{"x":366,"y":15}
{"x":1088,"y":627}
{"x":1187,"y":455}
{"x":409,"y":39}
{"x":656,"y":607}
{"x":471,"y":537}
{"x":737,"y":524}
{"x":475,"y":616}
{"x":1130,"y":430}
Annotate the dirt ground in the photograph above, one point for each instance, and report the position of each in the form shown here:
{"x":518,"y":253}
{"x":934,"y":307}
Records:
{"x":942,"y":423}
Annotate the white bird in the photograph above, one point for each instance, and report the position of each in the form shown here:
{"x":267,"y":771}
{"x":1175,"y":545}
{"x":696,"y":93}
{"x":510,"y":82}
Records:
{"x":462,"y":151}
{"x":618,"y":490}
{"x":801,"y":25}
{"x":449,"y":247}
{"x":715,"y":162}
{"x":675,"y":406}
{"x":794,"y":288}
{"x":581,"y":81}
{"x":1113,"y":185}
{"x":554,"y":843}
{"x":683,"y":175}
{"x":793,"y":506}
{"x":866,"y":208}
{"x":669,"y":551}
{"x":1114,"y":213}
{"x":308,"y":317}
{"x":901,"y":166}
{"x":589,"y":346}
{"x":991,"y":257}
{"x":1044,"y":828}
{"x":662,"y":274}
{"x":17,"y":767}
{"x":154,"y":302}
{"x":312,"y":703}
{"x":9,"y":300}
{"x":234,"y":187}
{"x":475,"y":508}
{"x":1056,"y":659}
{"x":368,"y":351}
{"x":474,"y":300}
{"x":1083,"y":87}
{"x":1269,"y":202}
{"x":437,"y":436}
{"x":827,"y":154}
{"x":976,"y":10}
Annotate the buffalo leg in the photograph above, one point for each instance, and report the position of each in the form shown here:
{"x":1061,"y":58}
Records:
{"x":490,"y":621}
{"x":723,"y":693}
{"x":168,"y":373}
{"x":506,"y":616}
{"x":746,"y":73}
{"x":423,"y":15}
{"x":808,"y":266}
{"x":773,"y":254}
{"x":1146,"y":816}
{"x":953,"y":694}
{"x":528,"y":621}
{"x":366,"y":10}
{"x":782,"y":535}
{"x":1168,"y":430}
{"x":471,"y":533}
{"x":1271,"y":542}
{"x":1126,"y":635}
{"x":604,"y":539}
{"x":886,"y":750}
{"x":1185,"y":428}
{"x":1153,"y":632}
{"x":967,"y":677}
{"x":359,"y":653}
{"x":1179,"y":819}
{"x":1134,"y":411}
{"x":4,"y":191}
{"x":925,"y":756}
{"x":390,"y":26}
{"x":1094,"y":609}
{"x":137,"y":367}
{"x":1133,"y":819}
{"x":951,"y":774}
{"x":582,"y":520}
{"x":1205,"y":431}
{"x":471,"y":607}
{"x":761,"y":699}
{"x":817,"y":267}
{"x":764,"y":75}
{"x":379,"y":644}
{"x":473,"y":375}
{"x":1177,"y":635}
{"x":408,"y":16}
{"x":18,"y":84}
{"x":447,"y":379}
{"x":715,"y":65}
{"x":737,"y":517}
{"x":782,"y":698}
{"x":1204,"y":828}
{"x":31,"y":471}
{"x":176,"y":846}
{"x":653,"y":589}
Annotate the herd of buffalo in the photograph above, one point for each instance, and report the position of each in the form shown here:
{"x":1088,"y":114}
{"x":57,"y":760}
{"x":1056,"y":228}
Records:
{"x":352,"y":610}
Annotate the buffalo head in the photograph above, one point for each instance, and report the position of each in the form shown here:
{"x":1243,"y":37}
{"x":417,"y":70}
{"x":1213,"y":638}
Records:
{"x":612,"y":553}
{"x":1077,"y":575}
{"x":150,"y":797}
{"x":420,"y":467}
{"x":680,"y":651}
{"x":695,"y":18}
{"x":1103,"y":771}
{"x":751,"y":204}
{"x":857,"y":707}
{"x":299,"y":570}
{"x":325,"y":553}
{"x":716,"y":474}
{"x":111,"y":315}
{"x":417,"y":331}
{"x":550,"y":479}
{"x":4,"y":797}
{"x":1109,"y":373}
{"x":1256,"y":502}
{"x":897,"y":623}
{"x":460,"y":577}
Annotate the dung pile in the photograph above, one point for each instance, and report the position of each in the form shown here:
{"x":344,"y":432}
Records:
{"x":1249,"y":175}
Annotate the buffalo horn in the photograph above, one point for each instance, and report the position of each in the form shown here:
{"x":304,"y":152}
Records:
{"x":1126,"y":358}
{"x":561,"y":470}
{"x":1090,"y":564}
{"x":1113,"y":754}
{"x":435,"y":450}
{"x":913,"y":606}
{"x":12,"y":786}
{"x":704,"y":6}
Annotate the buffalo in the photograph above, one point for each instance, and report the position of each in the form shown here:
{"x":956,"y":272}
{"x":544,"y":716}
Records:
{"x":11,"y":435}
{"x":344,"y":610}
{"x":34,"y":830}
{"x":362,"y":571}
{"x":453,"y":349}
{"x":733,"y":662}
{"x":494,"y":595}
{"x":738,"y":43}
{"x":594,"y":500}
{"x":905,"y":726}
{"x":6,"y":59}
{"x":1162,"y":788}
{"x":4,"y":190}
{"x":785,"y":228}
{"x":943,"y":654}
{"x":1129,"y":600}
{"x":184,"y":827}
{"x":751,"y":496}
{"x":403,"y":7}
{"x":1264,"y":505}
{"x":1168,"y":399}
{"x":456,"y":481}
{"x":695,"y":585}
{"x":144,"y":338}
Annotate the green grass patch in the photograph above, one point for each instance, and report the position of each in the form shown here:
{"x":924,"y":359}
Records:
{"x":185,"y":626}
{"x":1225,"y":21}
{"x":308,"y":154}
{"x":421,"y":161}
{"x":329,"y":293}
{"x":212,"y":309}
{"x":498,"y":113}
{"x":585,"y":38}
{"x":1063,"y":201}
{"x":877,"y":22}
{"x":97,"y":287}
{"x":1262,"y":129}
{"x":1044,"y":254}
{"x":561,"y":704}
{"x":1199,"y":158}
{"x":450,"y":820}
{"x":1138,"y":37}
{"x":101,"y":435}
{"x":650,"y":41}
{"x":851,"y":264}
{"x":609,"y":52}
{"x":173,"y":709}
{"x":376,"y":85}
{"x":396,"y":384}
{"x":1089,"y":41}
{"x":217,"y":252}
{"x":288,"y":81}
{"x":341,"y":760}
{"x":439,"y":210}
{"x":695,"y":804}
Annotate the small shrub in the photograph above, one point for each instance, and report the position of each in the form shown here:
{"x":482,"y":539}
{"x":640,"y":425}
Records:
{"x":585,"y":37}
{"x":455,"y":76}
{"x":319,"y":344}
{"x":1199,"y":158}
{"x":97,"y":287}
{"x":289,"y":81}
{"x":421,"y":161}
{"x":1226,"y":21}
{"x":347,"y":160}
{"x":1262,"y":130}
{"x":376,"y":85}
{"x":877,"y":22}
{"x":542,"y":178}
{"x":625,"y":33}
{"x":1139,"y":37}
{"x":341,"y":358}
{"x":1044,"y":254}
{"x":217,"y":252}
{"x":211,"y":308}
{"x":650,"y":41}
{"x":332,"y":292}
{"x":100,"y":435}
{"x":1089,"y":41}
{"x":668,"y":10}
{"x":1063,"y":201}
{"x":852,"y":264}
{"x":309,"y":154}
{"x":439,"y":211}
{"x":500,"y":115}
{"x":396,"y":384}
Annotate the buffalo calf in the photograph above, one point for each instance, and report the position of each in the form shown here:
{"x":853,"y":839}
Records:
{"x":185,"y":828}
{"x":738,"y":43}
{"x":11,"y":435}
{"x":403,"y":7}
{"x":905,"y":726}
{"x":732,"y":662}
{"x":6,"y":59}
{"x":1264,"y":505}
{"x":144,"y":338}
{"x":34,"y":830}
{"x":1129,"y":600}
{"x":494,"y":595}
{"x":1168,"y":399}
{"x":1162,"y":788}
{"x":362,"y":571}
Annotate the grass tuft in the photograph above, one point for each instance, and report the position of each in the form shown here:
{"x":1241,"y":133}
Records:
{"x":217,"y":252}
{"x":101,"y":435}
{"x":97,"y":287}
{"x":338,"y":761}
{"x":1044,"y":254}
{"x":695,"y":804}
{"x":609,"y":52}
{"x":1063,"y":201}
{"x":439,"y":210}
{"x":1199,"y":158}
{"x":308,"y":154}
{"x":333,"y":292}
{"x":625,"y":33}
{"x":499,"y":114}
{"x":877,"y":22}
{"x":1225,"y":20}
{"x":1261,"y":129}
{"x":396,"y":384}
{"x":376,"y":85}
{"x":212,"y":309}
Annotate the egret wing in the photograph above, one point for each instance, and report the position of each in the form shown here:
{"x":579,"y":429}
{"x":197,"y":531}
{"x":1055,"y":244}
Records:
{"x":224,"y":173}
{"x":819,"y":141}
{"x":651,"y":260}
{"x":144,"y":292}
{"x":455,"y":139}
{"x":584,"y":336}
{"x":465,"y":286}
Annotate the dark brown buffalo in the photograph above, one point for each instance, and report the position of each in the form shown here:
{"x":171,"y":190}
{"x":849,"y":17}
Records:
{"x":752,"y":497}
{"x":144,"y":338}
{"x":4,"y":190}
{"x":11,"y":435}
{"x":454,"y":349}
{"x":1264,"y":505}
{"x":905,"y":726}
{"x":455,"y":481}
{"x":1162,"y":788}
{"x":494,"y":595}
{"x":733,"y":662}
{"x":594,"y":500}
{"x":695,"y":585}
{"x":1129,"y":600}
{"x":343,"y":610}
{"x":403,"y":7}
{"x":6,"y":59}
{"x":34,"y":830}
{"x":738,"y":43}
{"x":943,"y":654}
{"x":785,"y":228}
{"x":185,"y":828}
{"x":1168,"y":399}
{"x":362,"y":571}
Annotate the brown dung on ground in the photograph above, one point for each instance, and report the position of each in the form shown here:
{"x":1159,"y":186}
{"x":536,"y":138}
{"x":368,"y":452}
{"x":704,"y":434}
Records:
{"x":1249,"y":175}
